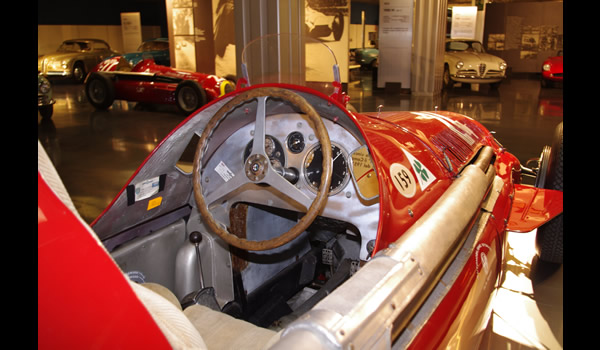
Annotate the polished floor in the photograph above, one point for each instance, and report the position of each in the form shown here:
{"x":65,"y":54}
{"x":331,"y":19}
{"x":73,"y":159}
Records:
{"x":95,"y":153}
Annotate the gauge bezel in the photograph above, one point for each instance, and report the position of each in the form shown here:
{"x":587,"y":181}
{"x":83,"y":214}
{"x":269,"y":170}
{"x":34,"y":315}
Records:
{"x":353,"y":175}
{"x":314,"y":188}
{"x":287,"y":142}
{"x":277,"y":147}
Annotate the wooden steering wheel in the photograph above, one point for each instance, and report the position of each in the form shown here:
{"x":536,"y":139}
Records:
{"x":258,"y":169}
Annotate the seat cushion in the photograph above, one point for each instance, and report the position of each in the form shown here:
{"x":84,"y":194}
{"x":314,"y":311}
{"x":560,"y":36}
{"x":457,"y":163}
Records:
{"x":164,"y":292}
{"x":178,"y":330}
{"x":222,"y":331}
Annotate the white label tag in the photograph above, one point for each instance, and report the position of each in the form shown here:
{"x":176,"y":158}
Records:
{"x":147,"y":188}
{"x":224,"y":171}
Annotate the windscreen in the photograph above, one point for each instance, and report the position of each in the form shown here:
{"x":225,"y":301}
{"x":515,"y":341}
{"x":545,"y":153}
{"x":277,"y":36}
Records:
{"x":290,"y":59}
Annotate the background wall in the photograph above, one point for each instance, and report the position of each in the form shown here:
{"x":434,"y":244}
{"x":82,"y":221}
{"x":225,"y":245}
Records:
{"x":524,"y":34}
{"x":51,"y":36}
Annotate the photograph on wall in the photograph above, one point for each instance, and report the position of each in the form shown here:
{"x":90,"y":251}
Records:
{"x":327,"y":21}
{"x":495,"y":42}
{"x":182,"y":3}
{"x":550,"y":40}
{"x":183,"y":21}
{"x":528,"y":55}
{"x":185,"y":52}
{"x":224,"y":37}
{"x":530,"y":38}
{"x":513,"y":32}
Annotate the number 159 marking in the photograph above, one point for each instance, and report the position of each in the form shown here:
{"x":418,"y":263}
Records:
{"x":403,"y":180}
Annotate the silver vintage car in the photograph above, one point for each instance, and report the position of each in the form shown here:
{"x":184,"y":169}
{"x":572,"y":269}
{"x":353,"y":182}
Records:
{"x":74,"y":58}
{"x":465,"y":61}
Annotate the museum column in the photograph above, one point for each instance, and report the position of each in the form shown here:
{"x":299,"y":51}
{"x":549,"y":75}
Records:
{"x":191,"y":41}
{"x":429,"y":37}
{"x":256,"y":18}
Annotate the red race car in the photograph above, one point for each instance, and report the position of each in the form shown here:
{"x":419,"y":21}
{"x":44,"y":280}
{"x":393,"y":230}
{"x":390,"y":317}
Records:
{"x":552,"y":70}
{"x":148,"y":82}
{"x":274,"y":217}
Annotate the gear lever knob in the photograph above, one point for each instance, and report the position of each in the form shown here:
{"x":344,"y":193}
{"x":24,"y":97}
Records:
{"x":195,"y":237}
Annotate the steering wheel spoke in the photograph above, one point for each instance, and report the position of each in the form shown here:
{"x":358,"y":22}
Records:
{"x":288,"y":189}
{"x":258,"y":144}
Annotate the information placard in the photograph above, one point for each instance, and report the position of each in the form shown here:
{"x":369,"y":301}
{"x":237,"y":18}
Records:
{"x":464,"y":22}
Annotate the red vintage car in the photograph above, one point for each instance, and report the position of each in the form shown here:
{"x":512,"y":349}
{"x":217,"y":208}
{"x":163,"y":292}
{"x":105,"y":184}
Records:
{"x":274,"y":217}
{"x":552,"y":70}
{"x":147,"y":82}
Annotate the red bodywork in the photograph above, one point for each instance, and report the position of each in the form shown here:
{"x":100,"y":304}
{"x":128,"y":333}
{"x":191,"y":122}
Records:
{"x":73,"y":267}
{"x":149,"y":82}
{"x":74,"y":309}
{"x":552,"y":69}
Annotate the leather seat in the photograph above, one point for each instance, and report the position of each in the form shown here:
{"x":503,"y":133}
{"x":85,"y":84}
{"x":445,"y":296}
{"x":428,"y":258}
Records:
{"x":199,"y":327}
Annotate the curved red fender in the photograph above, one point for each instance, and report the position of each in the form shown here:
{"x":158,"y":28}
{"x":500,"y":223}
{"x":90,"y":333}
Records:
{"x":532,"y":207}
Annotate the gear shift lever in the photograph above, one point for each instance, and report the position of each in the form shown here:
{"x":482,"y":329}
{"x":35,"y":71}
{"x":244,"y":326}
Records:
{"x":196,"y":238}
{"x":206,"y":295}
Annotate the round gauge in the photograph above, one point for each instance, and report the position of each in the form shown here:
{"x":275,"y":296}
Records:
{"x":273,"y":149}
{"x":313,"y":167}
{"x":295,"y":142}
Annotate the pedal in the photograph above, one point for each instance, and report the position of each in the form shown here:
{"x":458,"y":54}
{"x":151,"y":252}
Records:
{"x":327,"y":256}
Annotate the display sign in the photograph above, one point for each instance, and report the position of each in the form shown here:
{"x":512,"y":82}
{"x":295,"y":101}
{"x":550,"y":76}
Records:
{"x":395,"y":42}
{"x":464,"y":22}
{"x":131,"y":27}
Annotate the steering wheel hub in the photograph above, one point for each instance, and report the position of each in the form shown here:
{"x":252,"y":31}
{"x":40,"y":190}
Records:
{"x":256,"y":167}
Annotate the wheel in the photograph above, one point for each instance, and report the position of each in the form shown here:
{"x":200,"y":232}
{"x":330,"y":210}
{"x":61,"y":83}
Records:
{"x":46,"y":111}
{"x":100,"y":90}
{"x":226,"y":87}
{"x":189,"y":96}
{"x":549,"y":238}
{"x":258,"y":169}
{"x":446,"y":80}
{"x":78,"y":72}
{"x":337,"y":27}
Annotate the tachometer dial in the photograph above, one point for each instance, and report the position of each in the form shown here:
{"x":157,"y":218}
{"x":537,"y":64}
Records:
{"x":313,"y":167}
{"x":273,"y":149}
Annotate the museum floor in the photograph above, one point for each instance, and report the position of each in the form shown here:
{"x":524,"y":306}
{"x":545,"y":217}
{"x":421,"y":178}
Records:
{"x":96,"y":152}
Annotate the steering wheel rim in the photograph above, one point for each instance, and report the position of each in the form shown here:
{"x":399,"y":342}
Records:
{"x":258,"y":158}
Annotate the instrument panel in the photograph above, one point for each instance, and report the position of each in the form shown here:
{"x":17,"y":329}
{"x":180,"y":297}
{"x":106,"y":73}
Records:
{"x":311,"y":167}
{"x":295,"y":153}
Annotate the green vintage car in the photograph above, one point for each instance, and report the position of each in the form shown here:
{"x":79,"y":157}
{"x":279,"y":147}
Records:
{"x":74,"y":58}
{"x":45,"y":100}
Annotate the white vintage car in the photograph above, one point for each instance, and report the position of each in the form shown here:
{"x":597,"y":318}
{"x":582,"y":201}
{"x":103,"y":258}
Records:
{"x":465,"y":61}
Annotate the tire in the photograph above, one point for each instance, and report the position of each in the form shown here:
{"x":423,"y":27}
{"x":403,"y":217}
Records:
{"x":446,"y":80}
{"x":100,"y":90}
{"x":78,"y":72}
{"x":549,"y":238}
{"x":189,"y":96}
{"x":46,"y":111}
